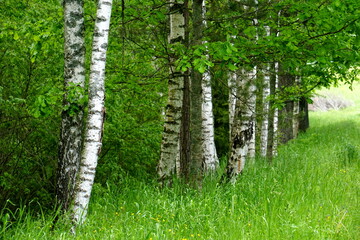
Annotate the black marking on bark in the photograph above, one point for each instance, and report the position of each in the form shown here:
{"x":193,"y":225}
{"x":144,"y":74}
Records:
{"x":107,"y":3}
{"x":101,"y":19}
{"x":177,"y":8}
{"x":178,"y":39}
{"x":104,"y":46}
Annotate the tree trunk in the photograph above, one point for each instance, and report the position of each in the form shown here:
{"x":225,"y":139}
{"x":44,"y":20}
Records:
{"x":210,"y":159}
{"x":232,"y":82}
{"x":304,"y":115}
{"x":169,"y":163}
{"x":286,"y":113}
{"x":296,"y":112}
{"x":273,"y":115}
{"x":242,"y":127}
{"x":252,"y":89}
{"x":72,"y":116}
{"x":96,"y":113}
{"x":252,"y":109}
{"x":196,"y":148}
{"x":265,"y":112}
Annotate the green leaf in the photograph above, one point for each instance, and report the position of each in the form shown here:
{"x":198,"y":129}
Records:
{"x":232,"y":67}
{"x":16,"y":36}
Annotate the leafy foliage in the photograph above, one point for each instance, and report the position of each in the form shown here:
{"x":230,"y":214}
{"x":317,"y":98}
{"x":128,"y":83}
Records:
{"x":317,"y":40}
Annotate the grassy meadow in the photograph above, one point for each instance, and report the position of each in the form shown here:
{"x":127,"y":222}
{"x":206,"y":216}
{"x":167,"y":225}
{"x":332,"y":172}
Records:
{"x":310,"y":191}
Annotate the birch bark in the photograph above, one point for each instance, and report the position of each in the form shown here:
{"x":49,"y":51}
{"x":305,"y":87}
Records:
{"x":210,"y":159}
{"x":96,"y":113}
{"x":169,"y":163}
{"x":72,"y":115}
{"x":265,"y":106}
{"x":252,"y":100}
{"x":273,"y":115}
{"x":252,"y":109}
{"x":265,"y":110}
{"x":232,"y":82}
{"x":242,"y":128}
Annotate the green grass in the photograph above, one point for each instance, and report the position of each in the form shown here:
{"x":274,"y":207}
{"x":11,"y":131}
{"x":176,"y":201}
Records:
{"x":311,"y":191}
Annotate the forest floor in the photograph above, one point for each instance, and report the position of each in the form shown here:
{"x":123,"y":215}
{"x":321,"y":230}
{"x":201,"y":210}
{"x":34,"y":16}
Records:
{"x":310,"y":191}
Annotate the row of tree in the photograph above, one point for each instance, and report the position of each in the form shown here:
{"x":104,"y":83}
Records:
{"x":232,"y":74}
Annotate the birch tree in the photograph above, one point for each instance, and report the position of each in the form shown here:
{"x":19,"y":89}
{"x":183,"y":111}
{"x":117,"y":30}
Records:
{"x":252,"y":101}
{"x":242,"y":128}
{"x":169,"y":163}
{"x":72,"y":115}
{"x":96,"y":113}
{"x":242,"y":125}
{"x":211,"y":161}
{"x":273,"y":114}
{"x":265,"y":112}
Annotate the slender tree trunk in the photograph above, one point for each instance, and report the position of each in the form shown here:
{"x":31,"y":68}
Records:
{"x":96,"y":112}
{"x":242,"y":128}
{"x":273,"y":115}
{"x":232,"y":82}
{"x":196,"y":148}
{"x":169,"y":163}
{"x":304,"y":115}
{"x":252,"y":109}
{"x":296,"y":112}
{"x":184,"y":170}
{"x":264,"y":133}
{"x":72,"y":115}
{"x":211,"y":161}
{"x":184,"y":161}
{"x":286,"y":113}
{"x":252,"y":101}
{"x":265,"y":111}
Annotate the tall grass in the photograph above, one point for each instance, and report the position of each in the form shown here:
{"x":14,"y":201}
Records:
{"x":310,"y":191}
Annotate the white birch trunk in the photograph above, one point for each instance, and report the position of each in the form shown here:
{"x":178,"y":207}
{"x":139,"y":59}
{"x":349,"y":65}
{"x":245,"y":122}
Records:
{"x":232,"y":82}
{"x":242,"y":129}
{"x":265,"y":119}
{"x":252,"y":109}
{"x":96,"y":112}
{"x":251,"y":76}
{"x":169,"y":163}
{"x":265,"y":101}
{"x":72,"y":118}
{"x":211,"y":161}
{"x":276,"y":114}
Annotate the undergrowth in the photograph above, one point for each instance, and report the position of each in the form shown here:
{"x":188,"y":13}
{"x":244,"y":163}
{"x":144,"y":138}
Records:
{"x":310,"y":191}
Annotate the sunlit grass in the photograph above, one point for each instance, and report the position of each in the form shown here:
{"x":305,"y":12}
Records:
{"x":311,"y":191}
